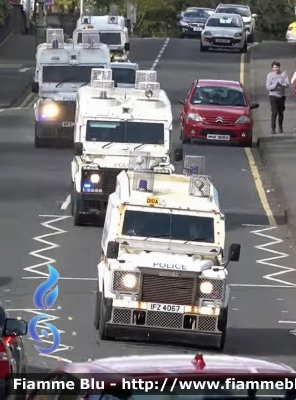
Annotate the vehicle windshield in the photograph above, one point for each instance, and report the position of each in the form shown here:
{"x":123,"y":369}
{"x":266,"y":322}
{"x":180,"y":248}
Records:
{"x":125,"y":132}
{"x":224,"y":22}
{"x":170,"y":226}
{"x":68,"y":73}
{"x":110,"y":38}
{"x":218,"y":95}
{"x":242,"y":11}
{"x":123,"y":75}
{"x":197,"y":14}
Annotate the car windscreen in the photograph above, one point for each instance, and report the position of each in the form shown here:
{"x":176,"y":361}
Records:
{"x":197,"y":14}
{"x":242,"y":11}
{"x":224,"y":22}
{"x":110,"y":38}
{"x":123,"y":75}
{"x":220,"y":96}
{"x":77,"y":73}
{"x":125,"y":132}
{"x":170,"y":226}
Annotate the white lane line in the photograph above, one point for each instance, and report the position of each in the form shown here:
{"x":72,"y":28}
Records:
{"x":276,"y":255}
{"x":61,"y":278}
{"x":66,"y":203}
{"x":287,"y":322}
{"x":29,"y":309}
{"x":266,"y":286}
{"x":25,"y":69}
{"x":160,"y":54}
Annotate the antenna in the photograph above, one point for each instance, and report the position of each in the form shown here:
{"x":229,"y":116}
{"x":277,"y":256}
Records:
{"x":90,"y":40}
{"x":55,"y":38}
{"x":194,"y":165}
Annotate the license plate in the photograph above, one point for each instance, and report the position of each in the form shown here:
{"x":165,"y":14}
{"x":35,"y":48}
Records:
{"x":68,"y":124}
{"x":169,"y":308}
{"x":222,"y":41}
{"x":218,"y":137}
{"x":197,"y":29}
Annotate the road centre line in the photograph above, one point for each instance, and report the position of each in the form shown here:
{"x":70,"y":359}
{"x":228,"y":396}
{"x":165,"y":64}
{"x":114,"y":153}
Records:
{"x":67,"y":202}
{"x":61,"y":278}
{"x":253,"y":167}
{"x":287,"y":322}
{"x":264,"y":286}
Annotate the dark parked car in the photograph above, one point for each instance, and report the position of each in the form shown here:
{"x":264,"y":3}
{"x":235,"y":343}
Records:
{"x":193,"y":21}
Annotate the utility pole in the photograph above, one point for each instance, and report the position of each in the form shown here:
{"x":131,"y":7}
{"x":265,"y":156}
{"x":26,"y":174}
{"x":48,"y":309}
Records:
{"x":41,"y":24}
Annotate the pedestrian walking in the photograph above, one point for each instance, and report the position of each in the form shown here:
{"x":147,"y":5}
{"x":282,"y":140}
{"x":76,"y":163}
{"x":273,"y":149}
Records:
{"x":276,"y":84}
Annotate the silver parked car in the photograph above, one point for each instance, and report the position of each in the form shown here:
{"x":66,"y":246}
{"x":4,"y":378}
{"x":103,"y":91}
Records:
{"x":224,"y":31}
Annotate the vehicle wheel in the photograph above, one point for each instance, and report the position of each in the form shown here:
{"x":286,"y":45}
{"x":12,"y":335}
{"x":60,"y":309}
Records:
{"x":178,"y":154}
{"x":100,"y":317}
{"x":181,"y":36}
{"x":245,"y":48}
{"x":203,"y":48}
{"x":249,"y":143}
{"x":78,"y":218}
{"x":251,"y":38}
{"x":38,"y":142}
{"x":184,"y":138}
{"x":222,"y":326}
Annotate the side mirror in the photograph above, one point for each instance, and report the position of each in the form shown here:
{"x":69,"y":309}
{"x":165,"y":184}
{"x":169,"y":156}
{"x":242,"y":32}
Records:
{"x":15,"y":327}
{"x":254,"y":15}
{"x":183,"y":102}
{"x":178,"y":154}
{"x":127,"y":46}
{"x":78,"y":149}
{"x":234,"y":252}
{"x":254,"y":106}
{"x":35,"y":87}
{"x":112,"y":250}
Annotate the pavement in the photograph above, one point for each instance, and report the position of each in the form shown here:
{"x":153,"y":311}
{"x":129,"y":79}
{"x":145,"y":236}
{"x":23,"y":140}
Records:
{"x":17,"y":62}
{"x":277,"y":151}
{"x":37,"y":228}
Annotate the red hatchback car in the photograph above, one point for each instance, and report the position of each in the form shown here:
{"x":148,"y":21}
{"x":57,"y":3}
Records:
{"x":217,"y":111}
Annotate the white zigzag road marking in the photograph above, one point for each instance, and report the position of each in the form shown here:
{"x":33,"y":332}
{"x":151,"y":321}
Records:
{"x":49,"y":245}
{"x":276,"y":255}
{"x":33,"y":268}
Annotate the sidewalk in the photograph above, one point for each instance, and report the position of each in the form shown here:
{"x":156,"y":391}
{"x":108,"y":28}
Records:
{"x":278,"y":151}
{"x":17,"y":62}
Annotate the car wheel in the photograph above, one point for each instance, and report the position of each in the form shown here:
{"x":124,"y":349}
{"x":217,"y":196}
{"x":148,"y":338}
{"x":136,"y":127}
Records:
{"x":181,"y":36}
{"x":245,"y":48}
{"x":249,"y":143}
{"x":78,"y":218}
{"x":251,"y":38}
{"x":222,"y":326}
{"x":184,"y":138}
{"x":203,"y":48}
{"x":38,"y":142}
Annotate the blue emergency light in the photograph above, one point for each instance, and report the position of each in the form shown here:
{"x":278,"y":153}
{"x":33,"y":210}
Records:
{"x":143,"y":184}
{"x":194,"y":169}
{"x":87,"y":185}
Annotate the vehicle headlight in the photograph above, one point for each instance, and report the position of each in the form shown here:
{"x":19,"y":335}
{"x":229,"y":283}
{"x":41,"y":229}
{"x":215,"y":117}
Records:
{"x":95,"y":178}
{"x":183,"y":23}
{"x":206,"y":287}
{"x":243,"y":120}
{"x":129,"y":281}
{"x":208,"y":33}
{"x":195,"y":117}
{"x":238,"y":34}
{"x":50,"y":110}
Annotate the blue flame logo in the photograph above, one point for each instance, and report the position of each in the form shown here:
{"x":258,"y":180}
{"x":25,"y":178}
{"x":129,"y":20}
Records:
{"x":43,"y":302}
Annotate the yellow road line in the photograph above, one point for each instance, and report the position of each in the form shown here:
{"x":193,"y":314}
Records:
{"x":26,"y":100}
{"x":253,"y":167}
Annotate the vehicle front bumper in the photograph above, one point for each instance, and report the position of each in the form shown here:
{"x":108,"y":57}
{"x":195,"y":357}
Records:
{"x":239,"y":133}
{"x":54,"y":130}
{"x":91,"y":203}
{"x":162,"y":326}
{"x":190,"y":31}
{"x":234,"y":43}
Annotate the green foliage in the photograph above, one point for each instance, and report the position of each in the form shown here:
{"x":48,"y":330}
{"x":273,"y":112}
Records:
{"x":64,"y":6}
{"x":4,"y":6}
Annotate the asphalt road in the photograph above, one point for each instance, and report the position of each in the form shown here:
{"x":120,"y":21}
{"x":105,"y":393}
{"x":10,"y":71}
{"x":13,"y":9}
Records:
{"x":35,"y":184}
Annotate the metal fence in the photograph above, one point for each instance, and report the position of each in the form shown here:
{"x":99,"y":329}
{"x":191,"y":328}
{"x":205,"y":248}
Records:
{"x":5,"y":27}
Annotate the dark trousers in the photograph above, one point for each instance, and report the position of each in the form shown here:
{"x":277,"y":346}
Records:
{"x":277,"y":105}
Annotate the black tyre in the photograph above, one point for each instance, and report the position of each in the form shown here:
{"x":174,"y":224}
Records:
{"x":245,"y":48}
{"x":38,"y":142}
{"x":100,"y":316}
{"x":203,"y":48}
{"x":184,"y":138}
{"x":251,"y":38}
{"x":222,"y":326}
{"x":78,"y":218}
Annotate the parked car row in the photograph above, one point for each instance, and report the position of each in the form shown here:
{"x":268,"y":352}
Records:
{"x":193,"y":20}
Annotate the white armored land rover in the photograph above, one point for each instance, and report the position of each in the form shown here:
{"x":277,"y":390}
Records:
{"x":162,"y":274}
{"x":114,"y":127}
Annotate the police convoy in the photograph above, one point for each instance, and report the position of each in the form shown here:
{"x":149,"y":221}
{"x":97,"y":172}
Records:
{"x":162,"y":273}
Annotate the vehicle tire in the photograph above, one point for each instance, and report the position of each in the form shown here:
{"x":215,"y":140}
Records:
{"x":184,"y":138}
{"x":100,"y":317}
{"x":222,"y":326}
{"x":38,"y":142}
{"x":249,"y":143}
{"x":182,"y":36}
{"x":251,"y":38}
{"x":203,"y":48}
{"x":78,"y":218}
{"x":245,"y":48}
